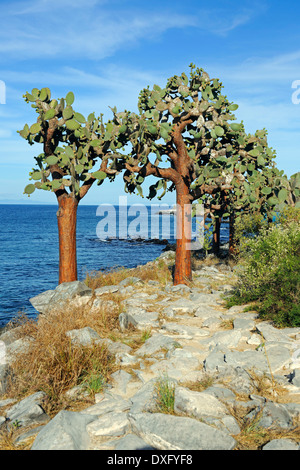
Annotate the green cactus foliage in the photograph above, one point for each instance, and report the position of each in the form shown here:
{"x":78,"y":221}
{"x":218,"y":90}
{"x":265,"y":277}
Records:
{"x":72,"y":145}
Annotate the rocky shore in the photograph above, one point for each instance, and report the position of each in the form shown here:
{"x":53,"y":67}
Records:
{"x":226,"y":369}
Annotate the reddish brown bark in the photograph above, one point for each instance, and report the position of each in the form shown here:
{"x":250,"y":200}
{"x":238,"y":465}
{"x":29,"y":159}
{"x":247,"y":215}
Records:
{"x":231,"y":235}
{"x":216,"y":235}
{"x":66,"y":220}
{"x":183,"y":265}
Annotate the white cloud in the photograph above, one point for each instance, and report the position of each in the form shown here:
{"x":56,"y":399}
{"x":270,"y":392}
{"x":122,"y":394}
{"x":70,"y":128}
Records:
{"x":44,"y":29}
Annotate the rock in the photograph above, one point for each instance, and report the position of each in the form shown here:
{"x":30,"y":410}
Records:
{"x":177,"y":364}
{"x":106,"y":290}
{"x":5,"y":375}
{"x":205,"y":311}
{"x":279,"y":356}
{"x":243,"y":324}
{"x":274,"y":415}
{"x":2,"y":420}
{"x":184,"y":330}
{"x":20,"y":346}
{"x":121,"y":380}
{"x":222,"y":393}
{"x":107,"y":305}
{"x":212,"y":322}
{"x":180,"y":306}
{"x":77,"y":392}
{"x":127,"y":359}
{"x":83,"y":336}
{"x":269,"y":333}
{"x":247,"y":360}
{"x":167,"y":432}
{"x":254,"y":339}
{"x":116,"y":348}
{"x":42,"y":301}
{"x":28,"y":411}
{"x":204,"y":299}
{"x":198,"y":404}
{"x":3,"y":358}
{"x":107,"y":403}
{"x":229,"y":424}
{"x":281,"y":444}
{"x":239,"y":379}
{"x":178,"y":289}
{"x":294,"y":410}
{"x":130,"y":280}
{"x":131,"y":442}
{"x":25,"y":436}
{"x":126,"y":320}
{"x":65,"y":292}
{"x":8,"y":401}
{"x":10,"y":335}
{"x":111,"y":424}
{"x":66,"y":431}
{"x":155,"y":344}
{"x":229,"y":339}
{"x":144,"y":399}
{"x":139,"y":318}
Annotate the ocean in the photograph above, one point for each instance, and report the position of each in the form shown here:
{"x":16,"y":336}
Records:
{"x":107,"y":237}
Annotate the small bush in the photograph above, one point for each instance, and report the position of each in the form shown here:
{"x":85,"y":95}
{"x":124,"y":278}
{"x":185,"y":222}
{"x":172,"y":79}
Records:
{"x":270,"y":272}
{"x":165,"y":395}
{"x":53,"y":364}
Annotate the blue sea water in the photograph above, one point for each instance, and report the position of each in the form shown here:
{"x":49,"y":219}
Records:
{"x":29,"y":248}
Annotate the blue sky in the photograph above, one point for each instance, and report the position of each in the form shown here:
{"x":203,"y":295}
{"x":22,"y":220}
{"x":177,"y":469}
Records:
{"x":107,"y":51}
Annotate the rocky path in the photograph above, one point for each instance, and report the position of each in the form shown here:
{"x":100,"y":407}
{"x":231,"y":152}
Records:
{"x":223,"y":368}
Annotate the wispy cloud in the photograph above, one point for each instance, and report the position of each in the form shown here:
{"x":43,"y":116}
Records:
{"x":83,"y":30}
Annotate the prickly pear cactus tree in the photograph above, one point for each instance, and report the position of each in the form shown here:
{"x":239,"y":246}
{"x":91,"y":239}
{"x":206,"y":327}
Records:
{"x":180,"y":136}
{"x":294,"y":184}
{"x":77,"y":152}
{"x":255,"y":185}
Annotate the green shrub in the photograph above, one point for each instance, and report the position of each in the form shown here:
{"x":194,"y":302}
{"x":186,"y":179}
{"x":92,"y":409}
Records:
{"x":165,"y":395}
{"x":248,"y":225}
{"x":270,"y":272}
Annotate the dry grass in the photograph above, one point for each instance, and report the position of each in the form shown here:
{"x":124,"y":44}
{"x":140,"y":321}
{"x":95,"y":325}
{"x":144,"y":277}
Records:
{"x":200,"y":385}
{"x":52,"y":363}
{"x":155,"y":272}
{"x":254,"y":437}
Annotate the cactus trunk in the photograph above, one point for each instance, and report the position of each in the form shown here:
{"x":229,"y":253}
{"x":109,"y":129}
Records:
{"x":183,"y":266}
{"x":231,"y":235}
{"x":216,"y":235}
{"x":66,"y":220}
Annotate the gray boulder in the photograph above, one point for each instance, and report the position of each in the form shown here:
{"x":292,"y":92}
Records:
{"x":274,"y":415}
{"x":83,"y":336}
{"x":106,"y":290}
{"x":168,"y":432}
{"x":281,"y":444}
{"x":5,"y":373}
{"x":28,"y":411}
{"x":87,"y":337}
{"x":107,"y":403}
{"x":42,"y":302}
{"x":156,"y":344}
{"x":66,"y":431}
{"x":198,"y":404}
{"x":130,"y":281}
{"x":139,"y":318}
{"x":57,"y":298}
{"x":131,"y":442}
{"x":111,"y":424}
